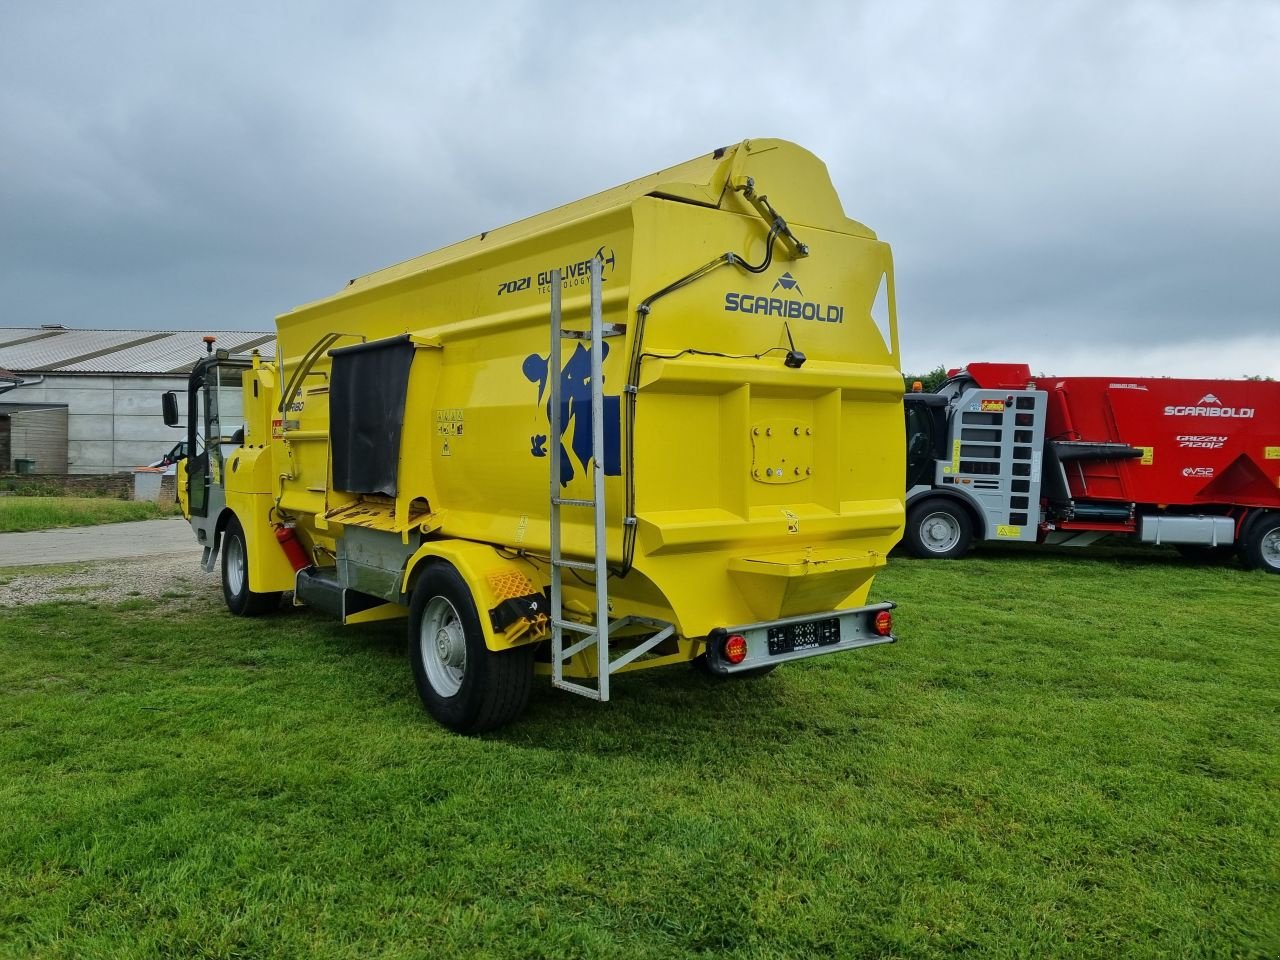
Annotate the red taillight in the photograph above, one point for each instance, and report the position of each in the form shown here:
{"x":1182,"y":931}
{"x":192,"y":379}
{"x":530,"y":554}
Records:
{"x":884,"y":623}
{"x":735,"y":648}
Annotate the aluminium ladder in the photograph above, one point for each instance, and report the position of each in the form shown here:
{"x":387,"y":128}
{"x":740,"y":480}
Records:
{"x":597,"y":634}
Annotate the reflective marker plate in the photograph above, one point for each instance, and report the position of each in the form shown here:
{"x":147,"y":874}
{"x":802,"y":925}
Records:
{"x":804,"y":636}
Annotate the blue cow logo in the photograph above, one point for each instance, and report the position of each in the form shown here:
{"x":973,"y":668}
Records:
{"x":788,"y":282}
{"x":575,"y":411}
{"x":608,"y":259}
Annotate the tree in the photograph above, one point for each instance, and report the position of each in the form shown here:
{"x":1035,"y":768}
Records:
{"x":931,"y":381}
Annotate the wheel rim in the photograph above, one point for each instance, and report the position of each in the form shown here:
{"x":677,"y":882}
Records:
{"x":444,"y":646}
{"x":939,"y":532}
{"x":1270,"y":548}
{"x":236,"y":572}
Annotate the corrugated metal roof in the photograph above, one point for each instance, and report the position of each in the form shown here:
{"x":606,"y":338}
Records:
{"x":60,"y":350}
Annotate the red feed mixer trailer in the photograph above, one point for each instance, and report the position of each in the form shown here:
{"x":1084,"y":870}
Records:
{"x":998,"y":454}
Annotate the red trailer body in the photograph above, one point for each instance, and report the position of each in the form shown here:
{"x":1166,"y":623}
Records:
{"x":1203,"y":442}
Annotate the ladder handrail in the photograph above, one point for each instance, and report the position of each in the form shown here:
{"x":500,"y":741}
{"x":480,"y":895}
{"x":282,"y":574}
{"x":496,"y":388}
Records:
{"x":599,"y":514}
{"x":553,"y":449}
{"x":598,"y":634}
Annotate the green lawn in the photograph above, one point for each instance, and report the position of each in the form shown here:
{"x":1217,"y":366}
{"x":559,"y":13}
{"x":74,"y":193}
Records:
{"x":1062,"y":758}
{"x":18,"y":514}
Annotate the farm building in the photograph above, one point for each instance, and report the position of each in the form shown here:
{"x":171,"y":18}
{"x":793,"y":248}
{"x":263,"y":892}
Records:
{"x":105,"y":385}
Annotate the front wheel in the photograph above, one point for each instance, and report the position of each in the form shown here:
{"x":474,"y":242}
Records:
{"x":1261,"y":548}
{"x":241,"y":601}
{"x":463,"y":684}
{"x":938,"y":529}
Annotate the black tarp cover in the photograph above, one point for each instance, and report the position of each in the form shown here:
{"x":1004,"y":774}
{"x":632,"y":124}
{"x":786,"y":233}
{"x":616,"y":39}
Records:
{"x":366,"y":414}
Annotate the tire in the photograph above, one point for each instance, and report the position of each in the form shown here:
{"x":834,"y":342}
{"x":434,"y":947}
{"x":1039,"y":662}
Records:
{"x":1260,"y":549}
{"x":241,"y":601}
{"x":938,"y":529}
{"x":1198,"y":554}
{"x":463,"y":684}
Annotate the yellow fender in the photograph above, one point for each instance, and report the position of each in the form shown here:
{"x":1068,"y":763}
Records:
{"x":249,"y":498}
{"x":493,"y":580}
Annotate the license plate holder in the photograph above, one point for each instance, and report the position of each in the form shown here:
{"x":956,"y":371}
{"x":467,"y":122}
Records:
{"x":809,"y":635}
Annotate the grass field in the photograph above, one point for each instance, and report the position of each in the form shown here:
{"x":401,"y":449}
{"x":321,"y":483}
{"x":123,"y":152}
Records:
{"x":1062,"y":758}
{"x":19,"y":514}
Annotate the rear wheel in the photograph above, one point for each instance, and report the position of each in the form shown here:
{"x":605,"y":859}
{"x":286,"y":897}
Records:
{"x":938,"y":530}
{"x":241,"y":601}
{"x":463,"y":684}
{"x":1260,"y":550}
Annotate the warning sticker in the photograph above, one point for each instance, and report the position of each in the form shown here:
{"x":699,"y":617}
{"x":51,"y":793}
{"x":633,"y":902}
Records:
{"x":1148,"y":456}
{"x":1272,"y":453}
{"x":955,"y":456}
{"x":793,"y":521}
{"x":449,"y":422}
{"x":444,"y":450}
{"x":993,"y":406}
{"x":1009,"y":533}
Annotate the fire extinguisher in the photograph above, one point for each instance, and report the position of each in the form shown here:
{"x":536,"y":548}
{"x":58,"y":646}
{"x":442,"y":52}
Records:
{"x":287,"y":537}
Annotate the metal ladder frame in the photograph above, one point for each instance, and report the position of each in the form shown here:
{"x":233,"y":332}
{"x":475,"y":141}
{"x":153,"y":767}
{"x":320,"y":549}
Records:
{"x":598,"y":634}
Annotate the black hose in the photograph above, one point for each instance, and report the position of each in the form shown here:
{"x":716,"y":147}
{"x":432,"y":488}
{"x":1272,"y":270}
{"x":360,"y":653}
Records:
{"x":633,"y":375}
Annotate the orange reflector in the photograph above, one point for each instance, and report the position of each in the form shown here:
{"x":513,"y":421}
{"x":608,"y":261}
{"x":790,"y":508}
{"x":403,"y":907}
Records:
{"x":735,"y":648}
{"x":884,"y":623}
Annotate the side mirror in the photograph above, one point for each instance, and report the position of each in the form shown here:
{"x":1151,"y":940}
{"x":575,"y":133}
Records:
{"x":169,"y":403}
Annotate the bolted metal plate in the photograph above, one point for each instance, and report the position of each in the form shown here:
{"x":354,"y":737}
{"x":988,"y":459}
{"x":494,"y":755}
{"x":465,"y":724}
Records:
{"x":781,"y":451}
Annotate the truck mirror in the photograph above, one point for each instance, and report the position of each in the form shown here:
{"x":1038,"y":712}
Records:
{"x":169,"y":404}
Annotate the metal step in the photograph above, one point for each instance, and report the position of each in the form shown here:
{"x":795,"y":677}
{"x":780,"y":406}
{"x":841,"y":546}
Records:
{"x":574,"y":564}
{"x":574,"y":625}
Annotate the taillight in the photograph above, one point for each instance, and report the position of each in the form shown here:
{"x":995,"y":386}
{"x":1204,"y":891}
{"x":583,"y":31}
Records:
{"x":735,"y":648}
{"x":884,"y":623}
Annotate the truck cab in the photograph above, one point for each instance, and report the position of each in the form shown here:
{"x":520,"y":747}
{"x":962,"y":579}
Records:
{"x":973,"y":466}
{"x":214,"y":429}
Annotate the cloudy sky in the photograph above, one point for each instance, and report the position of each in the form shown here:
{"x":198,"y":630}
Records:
{"x":1090,"y":187}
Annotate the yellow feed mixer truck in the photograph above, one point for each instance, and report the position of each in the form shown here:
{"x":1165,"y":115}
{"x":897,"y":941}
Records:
{"x":661,"y":424}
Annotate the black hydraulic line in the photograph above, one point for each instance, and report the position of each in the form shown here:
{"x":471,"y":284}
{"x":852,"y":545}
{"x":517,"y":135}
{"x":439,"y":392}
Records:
{"x":637,"y":355}
{"x":304,"y":366}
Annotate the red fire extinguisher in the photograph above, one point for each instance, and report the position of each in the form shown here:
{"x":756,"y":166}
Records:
{"x":287,"y":537}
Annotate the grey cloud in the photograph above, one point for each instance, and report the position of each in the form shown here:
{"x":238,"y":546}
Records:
{"x":1102,"y":169}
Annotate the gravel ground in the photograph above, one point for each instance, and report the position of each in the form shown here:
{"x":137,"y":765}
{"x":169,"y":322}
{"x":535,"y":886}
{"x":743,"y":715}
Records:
{"x":108,"y":581}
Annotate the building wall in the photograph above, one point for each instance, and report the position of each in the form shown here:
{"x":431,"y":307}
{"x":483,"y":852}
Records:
{"x":113,"y":420}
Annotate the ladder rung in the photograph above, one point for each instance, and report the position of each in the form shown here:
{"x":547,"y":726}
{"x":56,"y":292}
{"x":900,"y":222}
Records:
{"x":566,"y":502}
{"x":577,"y":688}
{"x":575,"y":564}
{"x":574,"y":625}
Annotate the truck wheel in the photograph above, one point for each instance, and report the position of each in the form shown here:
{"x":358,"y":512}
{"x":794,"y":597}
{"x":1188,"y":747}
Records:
{"x":241,"y":601}
{"x":1261,"y":548}
{"x":938,"y":530}
{"x":463,"y":684}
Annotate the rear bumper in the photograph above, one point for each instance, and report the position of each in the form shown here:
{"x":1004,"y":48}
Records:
{"x":856,"y":630}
